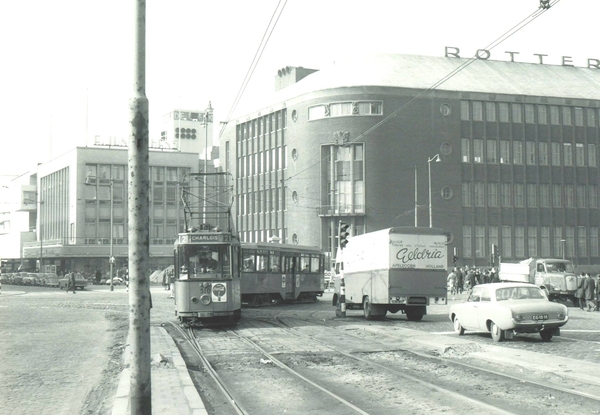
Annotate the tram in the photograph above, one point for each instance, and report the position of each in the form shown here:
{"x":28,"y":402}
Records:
{"x":276,"y":273}
{"x":206,"y":256}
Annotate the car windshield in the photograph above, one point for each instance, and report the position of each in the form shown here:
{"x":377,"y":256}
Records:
{"x":561,"y":267}
{"x":519,"y":293}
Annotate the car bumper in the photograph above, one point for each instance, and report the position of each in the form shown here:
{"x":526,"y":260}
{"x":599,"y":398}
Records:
{"x":536,"y":327}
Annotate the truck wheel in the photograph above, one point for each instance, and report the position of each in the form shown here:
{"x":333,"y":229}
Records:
{"x":373,"y":312}
{"x":497,"y":333}
{"x":414,"y":316}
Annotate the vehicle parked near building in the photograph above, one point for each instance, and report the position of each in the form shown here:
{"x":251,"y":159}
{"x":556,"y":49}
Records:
{"x":80,"y":282}
{"x":506,"y":309}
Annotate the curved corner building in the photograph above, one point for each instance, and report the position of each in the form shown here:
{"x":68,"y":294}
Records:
{"x":496,"y":153}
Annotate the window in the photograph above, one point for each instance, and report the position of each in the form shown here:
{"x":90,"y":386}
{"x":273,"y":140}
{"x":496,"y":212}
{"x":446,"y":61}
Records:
{"x":503,"y":111}
{"x":581,"y":241}
{"x":570,"y":232}
{"x":504,"y":151}
{"x":532,"y":241}
{"x":545,"y":241}
{"x":464,"y":111}
{"x":516,"y":113}
{"x":555,"y":147}
{"x":480,"y":241}
{"x":530,"y":150}
{"x":529,"y":114}
{"x":592,"y":155}
{"x":542,"y":114}
{"x":593,"y":196}
{"x":317,"y":112}
{"x":531,"y":195}
{"x":558,"y":242}
{"x":466,"y":150}
{"x":478,"y":194}
{"x":477,"y":150}
{"x":517,"y":152}
{"x":544,"y":195}
{"x":591,"y":117}
{"x":492,"y":194}
{"x":490,"y":111}
{"x":493,"y":235}
{"x":578,"y":116}
{"x":467,"y":249}
{"x":506,"y":241}
{"x":594,"y":241}
{"x":556,"y":195}
{"x":466,"y":194}
{"x":566,"y":114}
{"x":581,"y":191}
{"x":554,"y":115}
{"x":568,"y":154}
{"x":569,"y":196}
{"x":519,"y":195}
{"x":477,"y":111}
{"x":505,"y":195}
{"x":492,"y":151}
{"x":543,"y":153}
{"x":520,"y":241}
{"x":579,"y":155}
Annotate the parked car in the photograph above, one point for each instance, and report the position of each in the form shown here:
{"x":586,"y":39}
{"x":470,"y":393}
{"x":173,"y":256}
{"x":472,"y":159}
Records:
{"x":116,"y":281}
{"x":80,"y":281}
{"x":31,"y":279}
{"x":506,"y":309}
{"x":51,"y":279}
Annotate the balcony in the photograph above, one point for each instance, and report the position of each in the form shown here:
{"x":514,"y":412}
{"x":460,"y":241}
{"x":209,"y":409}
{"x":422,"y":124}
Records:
{"x":341,"y":210}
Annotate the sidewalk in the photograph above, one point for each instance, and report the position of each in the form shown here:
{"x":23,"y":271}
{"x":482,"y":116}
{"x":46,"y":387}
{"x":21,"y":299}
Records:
{"x":173,"y":391}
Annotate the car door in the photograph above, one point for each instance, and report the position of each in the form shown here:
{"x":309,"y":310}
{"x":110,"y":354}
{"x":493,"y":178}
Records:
{"x":484,"y":308}
{"x":468,"y":317}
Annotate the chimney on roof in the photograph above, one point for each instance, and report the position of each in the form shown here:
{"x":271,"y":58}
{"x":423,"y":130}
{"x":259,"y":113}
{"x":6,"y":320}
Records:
{"x":290,"y":75}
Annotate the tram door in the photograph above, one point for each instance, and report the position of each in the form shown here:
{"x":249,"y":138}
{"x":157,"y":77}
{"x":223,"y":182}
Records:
{"x":291,"y":264}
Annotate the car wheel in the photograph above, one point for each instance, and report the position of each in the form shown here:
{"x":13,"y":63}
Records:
{"x":458,"y":328}
{"x":497,"y":333}
{"x":546,"y":335}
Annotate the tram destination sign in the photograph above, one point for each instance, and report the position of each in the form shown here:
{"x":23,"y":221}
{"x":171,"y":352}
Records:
{"x":205,"y":237}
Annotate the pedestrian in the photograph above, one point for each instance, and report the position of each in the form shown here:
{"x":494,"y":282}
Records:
{"x":98,"y":276}
{"x":72,"y":283}
{"x":459,"y":280}
{"x":590,"y":293}
{"x":452,"y":281}
{"x":580,"y":293}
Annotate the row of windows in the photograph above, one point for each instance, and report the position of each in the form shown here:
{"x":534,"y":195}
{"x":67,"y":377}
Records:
{"x":541,"y":153}
{"x":530,"y":113}
{"x":530,"y":241}
{"x":531,"y":195}
{"x":262,"y":235}
{"x":262,"y":201}
{"x":262,"y":125}
{"x":280,"y":262}
{"x":262,"y":162}
{"x":344,"y":109}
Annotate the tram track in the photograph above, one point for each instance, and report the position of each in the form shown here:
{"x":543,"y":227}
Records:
{"x":548,"y":386}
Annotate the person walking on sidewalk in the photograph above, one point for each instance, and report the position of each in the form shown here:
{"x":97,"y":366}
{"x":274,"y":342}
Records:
{"x":72,"y":283}
{"x":590,"y":293}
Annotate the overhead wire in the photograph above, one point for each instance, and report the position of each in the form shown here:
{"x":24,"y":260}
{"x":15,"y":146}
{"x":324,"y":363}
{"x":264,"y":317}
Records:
{"x":444,"y":79}
{"x":257,"y":55}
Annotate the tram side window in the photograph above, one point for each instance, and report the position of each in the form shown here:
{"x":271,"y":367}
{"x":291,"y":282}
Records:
{"x":305,"y":263}
{"x":315,"y":264}
{"x":248,"y":262}
{"x":288,"y":266}
{"x":274,"y":263}
{"x":262,"y":262}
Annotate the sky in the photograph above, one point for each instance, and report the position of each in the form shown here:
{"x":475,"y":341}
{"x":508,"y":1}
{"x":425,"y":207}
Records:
{"x":67,"y":70}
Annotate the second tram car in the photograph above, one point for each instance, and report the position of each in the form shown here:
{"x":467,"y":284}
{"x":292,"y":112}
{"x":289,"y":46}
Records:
{"x":275,"y":273}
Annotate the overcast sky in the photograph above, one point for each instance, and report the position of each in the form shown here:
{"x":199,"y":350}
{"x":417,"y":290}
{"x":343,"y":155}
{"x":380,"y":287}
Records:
{"x":67,"y":65}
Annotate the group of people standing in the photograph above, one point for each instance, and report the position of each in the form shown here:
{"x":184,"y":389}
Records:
{"x":588,"y":292}
{"x":465,"y":278}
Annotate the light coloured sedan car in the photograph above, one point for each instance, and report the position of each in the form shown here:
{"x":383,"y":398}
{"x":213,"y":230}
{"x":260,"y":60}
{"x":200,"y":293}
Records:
{"x":505,"y":309}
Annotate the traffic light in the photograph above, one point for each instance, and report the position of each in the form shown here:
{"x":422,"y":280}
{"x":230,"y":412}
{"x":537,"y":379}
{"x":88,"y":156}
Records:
{"x":344,"y":234}
{"x":455,"y":255}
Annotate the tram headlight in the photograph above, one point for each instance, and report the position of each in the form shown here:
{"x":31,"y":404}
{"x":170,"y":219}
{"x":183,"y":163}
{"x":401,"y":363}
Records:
{"x":205,"y":299}
{"x":195,"y":300}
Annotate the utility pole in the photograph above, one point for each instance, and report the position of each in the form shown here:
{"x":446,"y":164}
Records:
{"x":140,"y":400}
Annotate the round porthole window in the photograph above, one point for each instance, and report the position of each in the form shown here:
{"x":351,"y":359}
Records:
{"x":295,"y":239}
{"x":447,"y":192}
{"x":445,"y":110}
{"x":449,"y":237}
{"x":295,"y":115}
{"x":295,"y":196}
{"x":446,"y":149}
{"x":294,"y":154}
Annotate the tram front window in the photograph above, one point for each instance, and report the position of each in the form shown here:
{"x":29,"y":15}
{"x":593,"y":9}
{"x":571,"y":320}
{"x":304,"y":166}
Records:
{"x":205,"y":261}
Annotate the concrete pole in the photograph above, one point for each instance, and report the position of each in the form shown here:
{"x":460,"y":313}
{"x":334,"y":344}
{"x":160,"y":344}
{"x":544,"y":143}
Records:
{"x":110,"y":255}
{"x":140,"y":401}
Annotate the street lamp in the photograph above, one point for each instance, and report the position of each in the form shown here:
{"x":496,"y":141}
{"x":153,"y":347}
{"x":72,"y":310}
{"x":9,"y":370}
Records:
{"x":111,"y":258}
{"x":437,"y":159}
